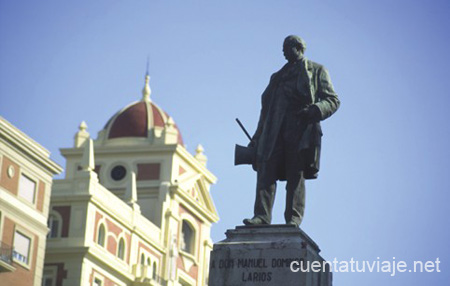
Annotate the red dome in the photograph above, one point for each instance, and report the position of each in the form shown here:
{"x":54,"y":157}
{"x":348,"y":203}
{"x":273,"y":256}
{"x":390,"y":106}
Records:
{"x":136,"y":120}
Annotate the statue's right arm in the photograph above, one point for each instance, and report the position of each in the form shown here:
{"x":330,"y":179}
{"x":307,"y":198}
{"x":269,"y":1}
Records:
{"x":329,"y":101}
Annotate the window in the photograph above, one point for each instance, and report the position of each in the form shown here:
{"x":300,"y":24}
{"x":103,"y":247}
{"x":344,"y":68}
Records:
{"x":118,"y":173}
{"x":154,"y":269}
{"x":53,"y":225}
{"x":187,"y":238}
{"x":27,"y":188}
{"x":101,"y":235}
{"x":47,"y":281}
{"x":121,"y":249}
{"x":97,"y":282}
{"x":148,"y":261}
{"x":22,"y":246}
{"x":142,"y":259}
{"x":49,"y":276}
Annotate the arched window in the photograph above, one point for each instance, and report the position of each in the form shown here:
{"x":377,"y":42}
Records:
{"x":54,"y":225}
{"x":142,"y":259}
{"x":121,"y":249}
{"x":101,"y":235}
{"x":148,"y":261}
{"x":154,"y":269}
{"x":187,"y":238}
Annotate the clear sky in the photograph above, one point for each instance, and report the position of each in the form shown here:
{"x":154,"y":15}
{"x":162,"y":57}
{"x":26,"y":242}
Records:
{"x":384,"y":185}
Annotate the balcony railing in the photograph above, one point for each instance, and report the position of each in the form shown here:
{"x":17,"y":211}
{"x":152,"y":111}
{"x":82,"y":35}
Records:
{"x":6,"y":254}
{"x":19,"y":257}
{"x":144,"y":276}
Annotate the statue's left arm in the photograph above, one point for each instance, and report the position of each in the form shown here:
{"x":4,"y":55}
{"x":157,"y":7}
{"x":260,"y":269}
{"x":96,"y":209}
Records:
{"x":327,"y":99}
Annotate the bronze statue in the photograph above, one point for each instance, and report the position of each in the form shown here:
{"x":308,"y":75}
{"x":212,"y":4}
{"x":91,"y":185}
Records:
{"x":288,"y":137}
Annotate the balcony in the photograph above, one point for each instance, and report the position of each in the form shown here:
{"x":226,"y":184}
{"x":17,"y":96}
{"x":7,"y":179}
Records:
{"x":145,"y":277}
{"x":6,"y":253}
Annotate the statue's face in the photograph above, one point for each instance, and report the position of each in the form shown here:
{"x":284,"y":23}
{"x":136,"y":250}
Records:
{"x":291,"y":52}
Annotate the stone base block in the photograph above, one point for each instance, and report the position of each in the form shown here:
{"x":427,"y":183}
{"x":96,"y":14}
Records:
{"x":262,"y":255}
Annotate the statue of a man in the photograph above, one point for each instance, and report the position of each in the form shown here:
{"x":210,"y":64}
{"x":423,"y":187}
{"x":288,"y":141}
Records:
{"x":288,"y":137}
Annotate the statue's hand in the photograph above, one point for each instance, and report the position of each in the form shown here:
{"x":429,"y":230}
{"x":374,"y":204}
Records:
{"x":310,"y":113}
{"x":252,"y":144}
{"x":304,"y":112}
{"x":254,"y":166}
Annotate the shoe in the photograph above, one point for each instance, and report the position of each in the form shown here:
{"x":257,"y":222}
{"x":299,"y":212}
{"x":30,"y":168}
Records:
{"x":291,"y":222}
{"x":254,"y":221}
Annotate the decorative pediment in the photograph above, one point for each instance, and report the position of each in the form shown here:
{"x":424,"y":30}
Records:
{"x":196,"y":188}
{"x":193,"y":183}
{"x":181,"y":170}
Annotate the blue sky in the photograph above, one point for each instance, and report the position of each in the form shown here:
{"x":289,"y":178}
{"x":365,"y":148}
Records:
{"x":383,"y":188}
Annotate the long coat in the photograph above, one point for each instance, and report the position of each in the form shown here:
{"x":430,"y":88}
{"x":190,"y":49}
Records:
{"x":315,"y":88}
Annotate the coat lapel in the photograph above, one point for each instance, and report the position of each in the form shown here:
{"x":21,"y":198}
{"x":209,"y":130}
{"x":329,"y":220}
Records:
{"x":304,"y":82}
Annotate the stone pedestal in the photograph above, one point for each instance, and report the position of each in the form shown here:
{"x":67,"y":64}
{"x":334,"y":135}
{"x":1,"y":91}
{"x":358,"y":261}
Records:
{"x":262,"y":255}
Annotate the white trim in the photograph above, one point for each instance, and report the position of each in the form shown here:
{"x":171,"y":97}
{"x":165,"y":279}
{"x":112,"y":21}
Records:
{"x":23,"y":144}
{"x":22,"y":212}
{"x":185,"y":280}
{"x":193,"y":206}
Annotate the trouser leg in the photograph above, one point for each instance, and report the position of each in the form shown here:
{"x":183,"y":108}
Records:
{"x":291,"y":131}
{"x":295,"y":199}
{"x":265,"y":197}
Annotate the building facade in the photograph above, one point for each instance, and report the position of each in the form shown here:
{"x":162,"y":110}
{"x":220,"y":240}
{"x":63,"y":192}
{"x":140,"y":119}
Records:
{"x":134,"y":207}
{"x":26,"y":173}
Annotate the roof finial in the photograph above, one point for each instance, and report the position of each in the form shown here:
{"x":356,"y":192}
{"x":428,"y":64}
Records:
{"x":146,"y":91}
{"x":199,"y":154}
{"x":82,"y":135}
{"x":83,"y":126}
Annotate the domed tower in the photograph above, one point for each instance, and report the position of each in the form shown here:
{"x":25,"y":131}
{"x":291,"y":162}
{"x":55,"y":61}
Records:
{"x":135,"y":202}
{"x":141,"y":123}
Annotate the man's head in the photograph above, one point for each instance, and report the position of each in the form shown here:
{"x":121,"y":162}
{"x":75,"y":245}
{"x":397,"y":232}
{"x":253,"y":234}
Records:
{"x":293,"y":48}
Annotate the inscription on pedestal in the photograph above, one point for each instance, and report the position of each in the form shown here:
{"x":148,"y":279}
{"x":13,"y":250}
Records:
{"x":263,"y":256}
{"x":256,"y":269}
